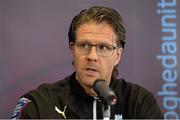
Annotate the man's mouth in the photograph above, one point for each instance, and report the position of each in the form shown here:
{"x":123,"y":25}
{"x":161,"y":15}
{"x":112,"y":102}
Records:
{"x":91,"y":69}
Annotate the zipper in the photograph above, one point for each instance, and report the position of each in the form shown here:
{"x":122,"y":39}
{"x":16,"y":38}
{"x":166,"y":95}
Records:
{"x":95,"y":108}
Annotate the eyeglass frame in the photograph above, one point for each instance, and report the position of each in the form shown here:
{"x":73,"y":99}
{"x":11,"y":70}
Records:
{"x":97,"y":50}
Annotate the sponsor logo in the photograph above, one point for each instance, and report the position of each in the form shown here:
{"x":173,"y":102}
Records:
{"x":118,"y":117}
{"x":19,"y":107}
{"x":61,"y":112}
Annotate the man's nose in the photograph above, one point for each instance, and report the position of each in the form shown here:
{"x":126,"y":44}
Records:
{"x":93,"y":55}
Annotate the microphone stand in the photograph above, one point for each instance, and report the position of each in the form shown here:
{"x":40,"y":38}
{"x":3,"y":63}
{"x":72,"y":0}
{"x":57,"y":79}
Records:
{"x":106,"y":112}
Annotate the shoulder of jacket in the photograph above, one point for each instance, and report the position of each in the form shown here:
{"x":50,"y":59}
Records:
{"x":48,"y":89}
{"x":130,"y":88}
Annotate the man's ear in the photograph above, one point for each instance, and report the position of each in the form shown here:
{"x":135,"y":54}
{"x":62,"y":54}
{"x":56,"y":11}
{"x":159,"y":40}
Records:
{"x":118,"y":56}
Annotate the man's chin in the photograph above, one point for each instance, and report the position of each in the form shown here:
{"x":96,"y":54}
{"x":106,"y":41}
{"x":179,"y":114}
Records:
{"x":88,"y":80}
{"x":91,"y":80}
{"x":90,"y":84}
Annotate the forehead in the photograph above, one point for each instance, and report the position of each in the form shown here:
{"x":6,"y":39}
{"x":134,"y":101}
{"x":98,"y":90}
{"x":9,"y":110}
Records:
{"x":95,"y":31}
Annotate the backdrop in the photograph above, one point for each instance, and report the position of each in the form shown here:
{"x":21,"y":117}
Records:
{"x":34,"y":47}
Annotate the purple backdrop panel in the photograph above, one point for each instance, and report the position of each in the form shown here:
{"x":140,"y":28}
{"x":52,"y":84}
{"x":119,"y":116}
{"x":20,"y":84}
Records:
{"x":34,"y":47}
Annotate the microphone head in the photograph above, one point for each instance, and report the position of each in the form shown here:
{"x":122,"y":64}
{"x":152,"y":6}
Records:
{"x":105,"y":93}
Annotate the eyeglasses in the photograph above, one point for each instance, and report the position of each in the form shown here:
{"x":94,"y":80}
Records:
{"x":104,"y":50}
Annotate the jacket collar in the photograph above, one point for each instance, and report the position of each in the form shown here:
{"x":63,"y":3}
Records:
{"x":77,"y":89}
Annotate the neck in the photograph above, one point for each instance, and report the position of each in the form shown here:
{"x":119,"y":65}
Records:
{"x":88,"y":89}
{"x":90,"y":92}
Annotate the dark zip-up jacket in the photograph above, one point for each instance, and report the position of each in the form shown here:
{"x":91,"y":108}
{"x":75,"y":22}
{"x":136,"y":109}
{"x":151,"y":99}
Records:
{"x":67,"y":99}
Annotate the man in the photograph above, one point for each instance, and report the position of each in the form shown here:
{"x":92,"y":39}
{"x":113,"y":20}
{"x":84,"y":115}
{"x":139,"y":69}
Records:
{"x":96,"y":40}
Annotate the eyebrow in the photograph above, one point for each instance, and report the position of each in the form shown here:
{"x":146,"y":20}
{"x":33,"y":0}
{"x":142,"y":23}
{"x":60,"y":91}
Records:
{"x":98,"y":42}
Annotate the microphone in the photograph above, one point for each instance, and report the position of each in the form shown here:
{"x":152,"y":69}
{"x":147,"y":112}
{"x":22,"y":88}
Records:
{"x":105,"y":93}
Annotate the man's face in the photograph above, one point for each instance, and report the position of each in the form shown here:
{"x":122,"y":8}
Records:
{"x":92,"y":66}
